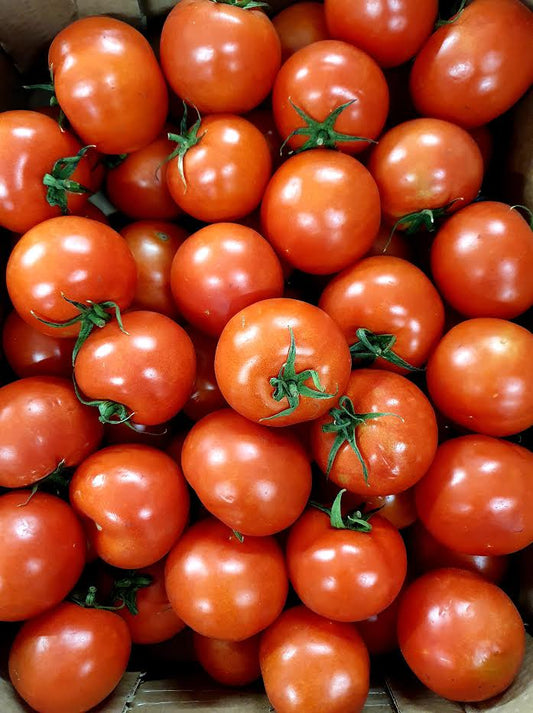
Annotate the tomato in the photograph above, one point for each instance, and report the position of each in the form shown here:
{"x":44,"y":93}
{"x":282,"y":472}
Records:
{"x":481,"y":376}
{"x":469,"y":71}
{"x":281,"y":361}
{"x":320,"y":78}
{"x":120,"y":433}
{"x":219,"y":57}
{"x":150,"y":368}
{"x":69,"y":659}
{"x":263,"y":120}
{"x":300,"y":25}
{"x":461,"y":635}
{"x":232,"y":663}
{"x":205,"y":396}
{"x":153,"y":244}
{"x":389,"y":296}
{"x":109,"y":84}
{"x":482,"y":261}
{"x":79,"y":258}
{"x":390,"y":32}
{"x":225,"y":172}
{"x":224,"y":588}
{"x":393,"y":244}
{"x":42,"y":554}
{"x":398,"y":509}
{"x":425,"y":164}
{"x":221,"y":269}
{"x":94,"y":213}
{"x":379,"y":630}
{"x":311,"y":664}
{"x":138,"y":187}
{"x":321,"y":211}
{"x":254,"y":479}
{"x":43,"y":425}
{"x":134,"y":501}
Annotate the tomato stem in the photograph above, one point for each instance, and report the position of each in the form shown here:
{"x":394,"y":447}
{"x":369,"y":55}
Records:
{"x":528,"y":212}
{"x":59,"y":184}
{"x":186,"y":139}
{"x":87,"y":600}
{"x":243,"y":4}
{"x":355,"y":520}
{"x":371,"y":346}
{"x":239,"y":536}
{"x":426,"y":218}
{"x":442,"y":22}
{"x":125,"y":587}
{"x":49,"y":87}
{"x":111,"y":412}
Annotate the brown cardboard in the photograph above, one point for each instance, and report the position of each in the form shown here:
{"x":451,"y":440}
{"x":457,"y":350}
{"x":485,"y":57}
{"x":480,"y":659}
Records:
{"x":520,"y":165}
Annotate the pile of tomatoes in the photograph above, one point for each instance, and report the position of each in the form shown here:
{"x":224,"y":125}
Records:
{"x":279,"y":396}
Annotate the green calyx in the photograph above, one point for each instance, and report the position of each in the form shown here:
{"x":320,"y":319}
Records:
{"x":125,"y":588}
{"x":427,"y":218}
{"x":113,"y":160}
{"x":291,"y":385}
{"x":243,"y":4}
{"x":371,"y":346}
{"x":49,"y":87}
{"x":186,"y":139}
{"x":356,"y":520}
{"x":59,"y":183}
{"x":110,"y":412}
{"x":86,"y":598}
{"x":441,"y":22}
{"x":321,"y":134}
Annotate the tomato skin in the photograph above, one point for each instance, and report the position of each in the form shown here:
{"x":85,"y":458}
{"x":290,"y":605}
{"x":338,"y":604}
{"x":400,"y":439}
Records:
{"x":469,"y":71}
{"x":300,"y":25}
{"x":151,"y":369}
{"x":301,"y":654}
{"x":42,"y":423}
{"x":398,"y":509}
{"x":221,"y":269}
{"x":237,"y":71}
{"x":462,"y":636}
{"x":78,"y":257}
{"x":253,"y":348}
{"x":321,"y":211}
{"x":481,"y":376}
{"x":482,"y":261}
{"x":223,"y":588}
{"x":134,"y":501}
{"x":109,"y":84}
{"x":379,"y":631}
{"x":232,"y":663}
{"x":89,"y":648}
{"x":205,"y":397}
{"x":43,"y":553}
{"x":396,"y":244}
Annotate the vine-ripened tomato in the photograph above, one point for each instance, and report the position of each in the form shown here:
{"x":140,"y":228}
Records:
{"x":232,"y":663}
{"x":300,"y":25}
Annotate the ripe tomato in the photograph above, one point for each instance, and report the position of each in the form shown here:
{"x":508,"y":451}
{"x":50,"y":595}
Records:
{"x":469,"y":71}
{"x":150,"y":368}
{"x":221,"y":269}
{"x":481,"y":376}
{"x":232,"y":663}
{"x":134,"y":502}
{"x":219,"y":57}
{"x":281,"y":361}
{"x":394,"y":244}
{"x":69,"y":659}
{"x":224,"y":588}
{"x":461,"y":635}
{"x":311,"y":664}
{"x":379,"y":630}
{"x":42,"y":554}
{"x":263,"y":120}
{"x":300,"y":25}
{"x":321,"y":211}
{"x":109,"y":84}
{"x":205,"y":396}
{"x":398,"y":509}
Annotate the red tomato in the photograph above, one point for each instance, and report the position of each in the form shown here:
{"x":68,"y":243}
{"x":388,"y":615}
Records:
{"x":94,"y":213}
{"x":205,"y":396}
{"x":321,"y":211}
{"x":481,"y":376}
{"x":69,"y":659}
{"x":398,"y":509}
{"x":120,"y":433}
{"x":394,"y":245}
{"x":281,"y":361}
{"x":379,"y":630}
{"x":232,"y":663}
{"x":108,"y":83}
{"x":224,"y":588}
{"x":42,"y":554}
{"x":300,"y":25}
{"x":221,"y":269}
{"x":311,"y":664}
{"x":134,"y":501}
{"x":263,"y":120}
{"x":219,"y":57}
{"x":482,"y":261}
{"x":461,"y":635}
{"x":153,"y":245}
{"x":469,"y":71}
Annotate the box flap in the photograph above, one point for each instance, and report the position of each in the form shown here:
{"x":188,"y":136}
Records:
{"x":129,"y":10}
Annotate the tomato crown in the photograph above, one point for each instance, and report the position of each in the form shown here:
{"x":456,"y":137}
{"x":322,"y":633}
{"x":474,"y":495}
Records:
{"x":371,"y":346}
{"x":355,"y":520}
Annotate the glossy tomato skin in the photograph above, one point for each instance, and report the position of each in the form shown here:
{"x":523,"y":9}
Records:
{"x":150,"y":369}
{"x":134,"y":501}
{"x":481,"y":376}
{"x":300,"y":25}
{"x":425,"y":163}
{"x":221,"y":269}
{"x":255,"y":479}
{"x":43,"y":553}
{"x":88,"y":648}
{"x":303,"y":654}
{"x":30,"y":144}
{"x":218,"y":57}
{"x":321,"y":211}
{"x":387,"y":295}
{"x":42,"y":424}
{"x":323,"y":76}
{"x":205,"y":397}
{"x":223,"y":588}
{"x":482,"y":261}
{"x":469,"y":71}
{"x":398,"y":509}
{"x":253,"y":347}
{"x":232,"y":663}
{"x":109,"y":84}
{"x":78,"y":257}
{"x":462,"y":636}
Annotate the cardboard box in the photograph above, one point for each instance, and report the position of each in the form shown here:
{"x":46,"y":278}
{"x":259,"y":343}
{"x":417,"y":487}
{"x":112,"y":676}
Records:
{"x":26,"y":29}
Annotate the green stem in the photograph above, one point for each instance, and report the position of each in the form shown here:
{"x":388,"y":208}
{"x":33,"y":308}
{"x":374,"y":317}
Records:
{"x":427,"y":218}
{"x":87,"y":600}
{"x":59,"y":183}
{"x":441,"y":22}
{"x":371,"y":346}
{"x":355,"y":520}
{"x":527,"y":211}
{"x":125,"y":587}
{"x":110,"y":412}
{"x":186,"y":139}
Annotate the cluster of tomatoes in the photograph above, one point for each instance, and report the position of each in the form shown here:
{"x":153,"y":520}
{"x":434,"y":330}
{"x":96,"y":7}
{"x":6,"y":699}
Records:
{"x":225,"y":407}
